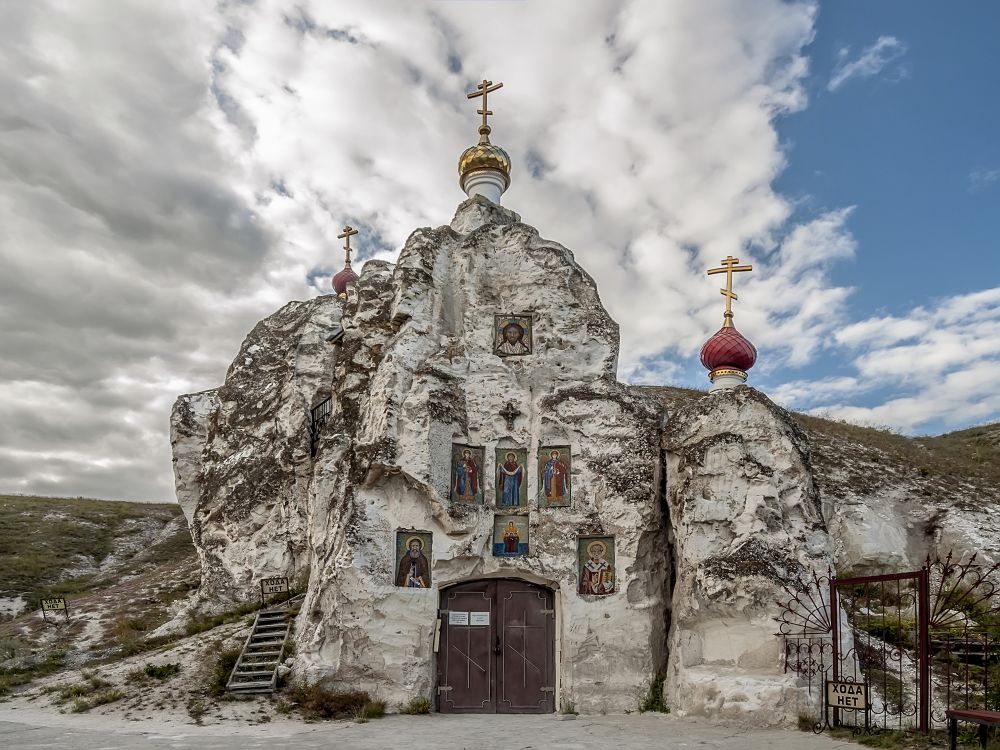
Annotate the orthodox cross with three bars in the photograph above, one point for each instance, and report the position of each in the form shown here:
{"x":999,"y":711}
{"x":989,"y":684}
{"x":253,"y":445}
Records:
{"x":729,"y":267}
{"x":483,"y":89}
{"x":346,"y":236}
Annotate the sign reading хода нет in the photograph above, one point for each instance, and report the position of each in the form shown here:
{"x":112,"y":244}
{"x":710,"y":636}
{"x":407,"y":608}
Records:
{"x":54,"y":604}
{"x":850,"y":695}
{"x":274,"y":586}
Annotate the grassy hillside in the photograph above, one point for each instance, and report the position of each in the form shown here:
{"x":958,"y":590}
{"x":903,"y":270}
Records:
{"x":849,"y":454}
{"x":975,"y":451}
{"x":65,"y":546}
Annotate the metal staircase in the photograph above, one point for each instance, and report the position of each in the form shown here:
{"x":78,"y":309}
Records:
{"x":256,"y":670}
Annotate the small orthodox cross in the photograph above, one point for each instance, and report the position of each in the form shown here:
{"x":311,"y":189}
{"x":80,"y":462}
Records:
{"x":346,"y":236}
{"x":510,"y":413}
{"x":483,"y":89}
{"x":729,"y":267}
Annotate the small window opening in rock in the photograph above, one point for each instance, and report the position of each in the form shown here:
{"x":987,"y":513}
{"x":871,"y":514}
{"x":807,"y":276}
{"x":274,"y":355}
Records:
{"x":336,"y":334}
{"x":318,"y":417}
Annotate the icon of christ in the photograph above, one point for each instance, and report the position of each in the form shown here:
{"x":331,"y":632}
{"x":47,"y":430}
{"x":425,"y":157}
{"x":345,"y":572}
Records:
{"x":512,"y":335}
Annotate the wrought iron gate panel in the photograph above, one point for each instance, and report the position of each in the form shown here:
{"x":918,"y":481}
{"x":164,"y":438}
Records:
{"x":806,"y":627}
{"x":924,"y":640}
{"x":885,"y":644}
{"x":964,"y":653}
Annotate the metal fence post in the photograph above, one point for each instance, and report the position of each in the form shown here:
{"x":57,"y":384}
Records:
{"x":925,"y":651}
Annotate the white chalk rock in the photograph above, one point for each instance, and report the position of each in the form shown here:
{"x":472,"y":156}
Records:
{"x":746,"y":520}
{"x":414,"y":373}
{"x":241,"y":453}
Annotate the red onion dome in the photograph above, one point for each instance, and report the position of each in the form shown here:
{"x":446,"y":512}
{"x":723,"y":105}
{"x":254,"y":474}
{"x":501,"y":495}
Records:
{"x":342,"y":278}
{"x":728,"y":349}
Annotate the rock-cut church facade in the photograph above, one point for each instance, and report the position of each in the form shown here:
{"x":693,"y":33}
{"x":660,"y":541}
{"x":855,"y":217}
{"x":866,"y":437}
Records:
{"x":479,"y":513}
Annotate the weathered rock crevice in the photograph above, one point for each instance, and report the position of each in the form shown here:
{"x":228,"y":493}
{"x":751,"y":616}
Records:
{"x":746,"y":520}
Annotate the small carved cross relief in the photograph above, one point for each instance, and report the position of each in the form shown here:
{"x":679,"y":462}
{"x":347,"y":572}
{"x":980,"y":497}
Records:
{"x":510,"y":413}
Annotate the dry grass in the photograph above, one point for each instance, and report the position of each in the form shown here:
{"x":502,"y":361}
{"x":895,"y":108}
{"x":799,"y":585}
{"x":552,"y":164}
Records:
{"x":221,"y":670}
{"x":97,"y":699}
{"x":373,"y":709}
{"x":317,"y":702}
{"x":890,"y":740}
{"x":852,"y":458}
{"x":958,"y":455}
{"x":17,"y":676}
{"x":44,"y":538}
{"x":84,"y":695}
{"x":416,"y":706}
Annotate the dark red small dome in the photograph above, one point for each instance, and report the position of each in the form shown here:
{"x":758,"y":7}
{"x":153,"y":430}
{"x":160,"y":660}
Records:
{"x":342,"y":278}
{"x":728,"y":348}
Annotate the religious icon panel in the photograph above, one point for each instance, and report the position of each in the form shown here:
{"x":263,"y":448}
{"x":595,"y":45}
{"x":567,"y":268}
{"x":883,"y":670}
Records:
{"x":553,"y":476}
{"x":510,"y":535}
{"x":596,"y":557}
{"x":512,"y":335}
{"x":413,"y":559}
{"x":512,"y":478}
{"x":467,"y":474}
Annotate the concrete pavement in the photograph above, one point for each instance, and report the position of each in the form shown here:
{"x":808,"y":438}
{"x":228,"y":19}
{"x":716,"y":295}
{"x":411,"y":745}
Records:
{"x":29,"y":729}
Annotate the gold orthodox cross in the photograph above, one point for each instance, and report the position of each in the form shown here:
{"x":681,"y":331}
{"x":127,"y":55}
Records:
{"x":346,"y":236}
{"x":483,"y":89}
{"x":729,"y":267}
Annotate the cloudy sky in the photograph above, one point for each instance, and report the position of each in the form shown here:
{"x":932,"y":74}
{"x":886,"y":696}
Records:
{"x":172,"y":172}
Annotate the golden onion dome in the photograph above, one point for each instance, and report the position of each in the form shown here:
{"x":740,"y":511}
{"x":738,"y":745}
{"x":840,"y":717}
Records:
{"x":484,"y":155}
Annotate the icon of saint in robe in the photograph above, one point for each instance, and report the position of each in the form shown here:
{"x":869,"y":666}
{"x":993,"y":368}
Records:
{"x":511,"y":538}
{"x":466,"y":479}
{"x":596,"y":576}
{"x":512,"y":341}
{"x":555,"y":475}
{"x":510,"y":474}
{"x":413,"y":571}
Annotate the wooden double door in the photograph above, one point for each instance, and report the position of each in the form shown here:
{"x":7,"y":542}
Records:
{"x":497,"y":648}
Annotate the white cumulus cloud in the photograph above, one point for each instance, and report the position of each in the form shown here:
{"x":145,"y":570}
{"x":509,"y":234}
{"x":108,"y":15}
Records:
{"x":936,"y":364}
{"x":173,"y":172}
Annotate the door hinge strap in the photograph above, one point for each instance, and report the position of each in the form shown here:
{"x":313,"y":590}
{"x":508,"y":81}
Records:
{"x":548,"y":689}
{"x":444,"y":688}
{"x":548,"y":611}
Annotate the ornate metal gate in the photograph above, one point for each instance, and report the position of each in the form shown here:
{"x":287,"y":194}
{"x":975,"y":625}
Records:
{"x":880,"y":637}
{"x":923,"y":641}
{"x":964,"y":648}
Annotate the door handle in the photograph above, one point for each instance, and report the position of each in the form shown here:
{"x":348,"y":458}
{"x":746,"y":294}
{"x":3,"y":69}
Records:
{"x":496,"y":649}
